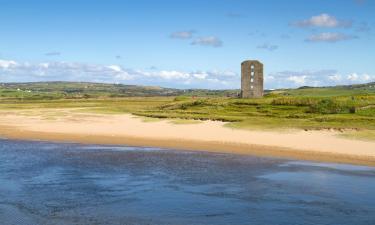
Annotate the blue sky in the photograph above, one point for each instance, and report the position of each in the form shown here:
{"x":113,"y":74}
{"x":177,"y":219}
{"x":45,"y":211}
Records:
{"x":188,"y":44}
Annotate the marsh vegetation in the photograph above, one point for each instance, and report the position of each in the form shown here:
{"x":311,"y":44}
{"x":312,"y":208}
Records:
{"x":343,"y":108}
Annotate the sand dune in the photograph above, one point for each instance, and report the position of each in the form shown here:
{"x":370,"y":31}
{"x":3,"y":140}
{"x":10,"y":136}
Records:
{"x":69,"y":125}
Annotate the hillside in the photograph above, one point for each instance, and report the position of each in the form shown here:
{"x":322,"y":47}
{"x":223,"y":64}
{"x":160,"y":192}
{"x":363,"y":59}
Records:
{"x":344,"y":90}
{"x":80,"y":90}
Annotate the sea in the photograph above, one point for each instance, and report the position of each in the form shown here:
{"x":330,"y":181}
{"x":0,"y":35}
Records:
{"x":75,"y":184}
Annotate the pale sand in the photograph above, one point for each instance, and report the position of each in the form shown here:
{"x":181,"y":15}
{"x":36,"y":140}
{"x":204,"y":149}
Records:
{"x":70,"y":125}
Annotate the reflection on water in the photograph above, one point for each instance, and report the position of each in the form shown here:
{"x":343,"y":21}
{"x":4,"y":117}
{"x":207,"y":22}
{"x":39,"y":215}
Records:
{"x":48,"y":183}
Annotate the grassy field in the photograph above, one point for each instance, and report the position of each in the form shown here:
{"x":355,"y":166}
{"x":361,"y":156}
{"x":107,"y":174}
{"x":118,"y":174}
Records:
{"x":350,"y":109}
{"x":83,"y":90}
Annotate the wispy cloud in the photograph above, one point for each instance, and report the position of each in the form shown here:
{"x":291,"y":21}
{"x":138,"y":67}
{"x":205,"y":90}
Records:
{"x":182,"y":34}
{"x":360,"y":78}
{"x":5,"y":64}
{"x":329,"y":37}
{"x":12,"y":71}
{"x":53,"y":53}
{"x":291,"y":78}
{"x":298,"y":80}
{"x":208,"y":41}
{"x":322,"y":20}
{"x":314,"y":78}
{"x":267,"y":46}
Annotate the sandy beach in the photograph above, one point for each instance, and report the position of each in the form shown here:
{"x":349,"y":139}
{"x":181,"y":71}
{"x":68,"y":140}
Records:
{"x":76,"y":126}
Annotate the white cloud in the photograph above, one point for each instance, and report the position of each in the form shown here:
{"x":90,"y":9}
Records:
{"x":171,"y":75}
{"x":11,"y":71}
{"x":182,"y":35}
{"x":335,"y":77}
{"x":115,"y":68}
{"x":356,"y":78}
{"x":269,"y":78}
{"x":224,"y":74}
{"x":314,"y":78}
{"x":353,"y":77}
{"x":329,"y":37}
{"x":298,"y":80}
{"x":5,"y":64}
{"x":200,"y":75}
{"x":44,"y":65}
{"x":367,"y":77}
{"x":322,"y":20}
{"x":208,"y":41}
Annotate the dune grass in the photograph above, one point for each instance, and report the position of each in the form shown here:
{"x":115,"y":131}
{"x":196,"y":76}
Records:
{"x":184,"y":121}
{"x":350,"y":109}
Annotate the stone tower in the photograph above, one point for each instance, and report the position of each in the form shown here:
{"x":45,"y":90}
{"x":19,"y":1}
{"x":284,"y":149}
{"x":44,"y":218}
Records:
{"x":251,"y":79}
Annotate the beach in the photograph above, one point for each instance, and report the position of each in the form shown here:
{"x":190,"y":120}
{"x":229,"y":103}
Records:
{"x":73,"y":125}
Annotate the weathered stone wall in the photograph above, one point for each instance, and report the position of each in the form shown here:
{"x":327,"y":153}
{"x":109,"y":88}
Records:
{"x":251,"y":79}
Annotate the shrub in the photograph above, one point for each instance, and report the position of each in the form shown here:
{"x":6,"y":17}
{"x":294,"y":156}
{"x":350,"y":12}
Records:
{"x":245,"y":103}
{"x":290,"y":101}
{"x":193,"y":103}
{"x":181,"y":98}
{"x":330,"y":106}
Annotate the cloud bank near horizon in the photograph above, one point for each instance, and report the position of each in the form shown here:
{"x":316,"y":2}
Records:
{"x":12,"y":71}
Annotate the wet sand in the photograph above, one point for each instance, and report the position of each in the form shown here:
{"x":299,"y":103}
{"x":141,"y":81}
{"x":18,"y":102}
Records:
{"x":75,"y":126}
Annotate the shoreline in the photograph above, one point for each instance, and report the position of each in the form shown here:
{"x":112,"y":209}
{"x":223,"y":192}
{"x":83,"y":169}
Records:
{"x":88,"y":128}
{"x":189,"y":145}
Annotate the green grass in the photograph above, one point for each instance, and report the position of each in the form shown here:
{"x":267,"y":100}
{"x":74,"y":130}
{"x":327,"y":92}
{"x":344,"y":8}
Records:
{"x":182,"y":121}
{"x":150,"y":119}
{"x":341,"y":108}
{"x":365,"y":135}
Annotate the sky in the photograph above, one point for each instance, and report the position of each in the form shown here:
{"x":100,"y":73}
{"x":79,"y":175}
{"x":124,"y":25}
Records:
{"x":188,"y":43}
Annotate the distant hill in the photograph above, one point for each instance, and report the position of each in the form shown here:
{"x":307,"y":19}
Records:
{"x":57,"y":90}
{"x":341,"y":90}
{"x":79,"y":90}
{"x":76,"y":89}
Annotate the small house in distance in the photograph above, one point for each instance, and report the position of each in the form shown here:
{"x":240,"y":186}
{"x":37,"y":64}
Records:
{"x":251,"y":79}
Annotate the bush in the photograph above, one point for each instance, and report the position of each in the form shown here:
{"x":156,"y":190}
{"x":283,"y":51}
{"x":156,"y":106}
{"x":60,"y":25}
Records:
{"x":245,"y":103}
{"x":186,"y":105}
{"x":290,"y":101}
{"x":329,"y":106}
{"x":181,"y":98}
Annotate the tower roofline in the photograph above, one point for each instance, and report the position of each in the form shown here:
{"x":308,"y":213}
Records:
{"x":251,"y":61}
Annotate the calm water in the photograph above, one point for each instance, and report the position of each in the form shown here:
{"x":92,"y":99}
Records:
{"x":48,"y":183}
